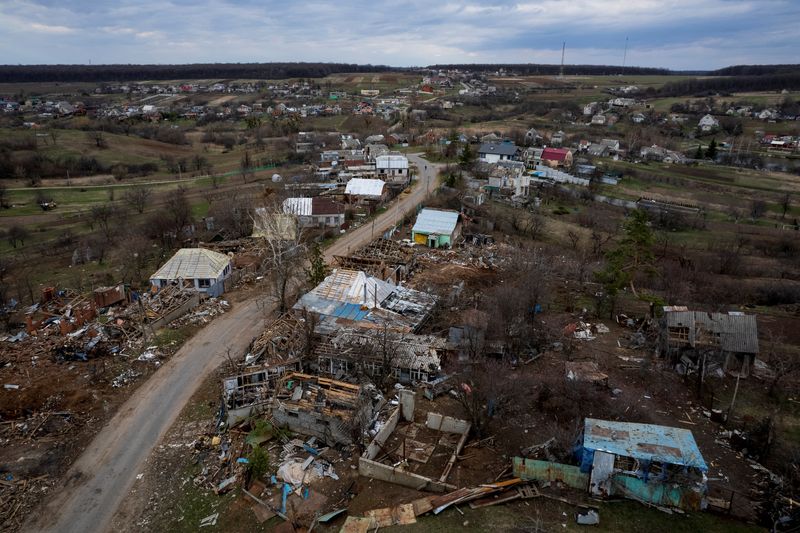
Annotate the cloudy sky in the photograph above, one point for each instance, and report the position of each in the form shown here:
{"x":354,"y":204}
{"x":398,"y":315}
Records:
{"x":678,"y":34}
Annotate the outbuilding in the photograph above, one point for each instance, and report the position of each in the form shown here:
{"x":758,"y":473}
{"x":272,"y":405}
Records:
{"x":436,"y":228}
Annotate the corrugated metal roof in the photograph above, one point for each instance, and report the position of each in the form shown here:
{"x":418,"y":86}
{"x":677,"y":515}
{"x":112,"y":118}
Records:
{"x":193,"y":263}
{"x":737,"y":333}
{"x":645,"y":442}
{"x":391,"y":161}
{"x":439,"y":221}
{"x":352,"y":295}
{"x":297,"y":206}
{"x":365,"y":187}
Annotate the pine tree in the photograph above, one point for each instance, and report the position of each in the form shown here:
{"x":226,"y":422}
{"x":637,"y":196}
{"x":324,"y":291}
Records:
{"x":318,"y":269}
{"x":699,"y":153}
{"x":711,"y":153}
{"x":467,"y":157}
{"x":632,"y":255}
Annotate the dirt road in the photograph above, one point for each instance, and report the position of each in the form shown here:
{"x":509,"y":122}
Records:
{"x":105,"y":472}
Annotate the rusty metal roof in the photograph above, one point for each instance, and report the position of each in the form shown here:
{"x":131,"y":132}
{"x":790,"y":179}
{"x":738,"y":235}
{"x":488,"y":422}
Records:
{"x":737,"y":332}
{"x":646,"y":442}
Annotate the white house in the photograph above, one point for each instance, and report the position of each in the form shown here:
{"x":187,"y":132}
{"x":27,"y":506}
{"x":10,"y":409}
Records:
{"x":315,"y":212}
{"x":495,"y":152}
{"x":205,"y":270}
{"x":392,"y":167}
{"x":708,"y":123}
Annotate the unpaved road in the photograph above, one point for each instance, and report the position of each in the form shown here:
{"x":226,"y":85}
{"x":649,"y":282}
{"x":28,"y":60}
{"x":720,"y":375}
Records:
{"x":101,"y":477}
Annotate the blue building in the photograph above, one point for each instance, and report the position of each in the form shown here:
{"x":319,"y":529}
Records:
{"x":654,"y":464}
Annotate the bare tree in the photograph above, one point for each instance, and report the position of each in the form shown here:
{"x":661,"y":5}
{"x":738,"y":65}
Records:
{"x":4,"y":196}
{"x":246,"y":165}
{"x":98,"y":138}
{"x":101,"y":215}
{"x":786,"y":204}
{"x":485,"y":390}
{"x":138,"y":198}
{"x":758,"y":208}
{"x":16,"y":236}
{"x":283,"y":249}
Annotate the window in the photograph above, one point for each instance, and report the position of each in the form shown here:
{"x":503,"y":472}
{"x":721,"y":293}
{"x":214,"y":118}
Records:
{"x":292,"y":414}
{"x":204,"y":283}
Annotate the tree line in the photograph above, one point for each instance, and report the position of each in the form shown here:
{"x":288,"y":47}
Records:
{"x":731,"y":84}
{"x":98,"y":73}
{"x":570,"y":70}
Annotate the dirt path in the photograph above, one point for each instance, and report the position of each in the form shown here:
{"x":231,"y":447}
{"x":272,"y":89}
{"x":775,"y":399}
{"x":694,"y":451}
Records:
{"x":101,"y":477}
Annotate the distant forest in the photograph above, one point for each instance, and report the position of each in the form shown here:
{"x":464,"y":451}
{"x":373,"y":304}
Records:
{"x":98,"y":73}
{"x":731,"y":84}
{"x":755,"y":70}
{"x":550,"y":70}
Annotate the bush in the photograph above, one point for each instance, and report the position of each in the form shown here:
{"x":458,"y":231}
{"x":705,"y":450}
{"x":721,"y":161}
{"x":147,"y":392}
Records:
{"x":259,"y":462}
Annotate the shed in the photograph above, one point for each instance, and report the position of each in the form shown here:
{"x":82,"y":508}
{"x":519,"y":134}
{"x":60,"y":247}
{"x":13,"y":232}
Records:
{"x":205,"y":270}
{"x":654,"y":464}
{"x":436,"y":227}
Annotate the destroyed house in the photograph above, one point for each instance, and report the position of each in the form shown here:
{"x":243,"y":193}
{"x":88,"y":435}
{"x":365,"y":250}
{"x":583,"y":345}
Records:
{"x":333,"y":411}
{"x":731,"y":339}
{"x":383,"y":258}
{"x":655,"y":464}
{"x":205,"y":270}
{"x":353,"y":298}
{"x":275,"y":352}
{"x":407,"y":357}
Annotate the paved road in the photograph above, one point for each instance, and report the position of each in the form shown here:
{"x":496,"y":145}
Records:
{"x":107,"y":469}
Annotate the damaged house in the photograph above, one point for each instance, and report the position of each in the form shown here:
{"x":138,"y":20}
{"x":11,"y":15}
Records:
{"x":700,"y":339}
{"x":333,"y":411}
{"x":655,"y":464}
{"x":204,"y":270}
{"x":406,"y":357}
{"x":353,"y":298}
{"x":652,"y":464}
{"x":277,"y":351}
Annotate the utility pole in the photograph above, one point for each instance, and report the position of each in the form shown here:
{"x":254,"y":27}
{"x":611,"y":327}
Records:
{"x":625,"y":54}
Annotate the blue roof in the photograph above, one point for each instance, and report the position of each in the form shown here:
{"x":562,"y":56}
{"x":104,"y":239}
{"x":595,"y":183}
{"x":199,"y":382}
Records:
{"x":351,"y":311}
{"x":439,"y":221}
{"x":645,"y":442}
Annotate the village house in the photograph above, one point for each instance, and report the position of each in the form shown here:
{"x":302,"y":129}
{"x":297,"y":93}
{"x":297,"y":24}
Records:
{"x":697,"y":339}
{"x":392,"y":168}
{"x":494,"y":152}
{"x":315,"y":212}
{"x":205,"y":270}
{"x":436,"y":228}
{"x":708,"y":123}
{"x":557,"y":157}
{"x":532,"y":137}
{"x":599,"y":120}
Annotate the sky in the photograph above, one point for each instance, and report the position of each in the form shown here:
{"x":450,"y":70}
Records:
{"x":675,"y":34}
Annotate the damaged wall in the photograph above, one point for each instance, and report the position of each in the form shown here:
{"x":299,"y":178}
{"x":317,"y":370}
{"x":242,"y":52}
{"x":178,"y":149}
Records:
{"x":532,"y":469}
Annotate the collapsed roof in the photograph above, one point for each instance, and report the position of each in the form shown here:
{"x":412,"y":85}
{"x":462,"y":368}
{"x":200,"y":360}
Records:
{"x":352,"y":296}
